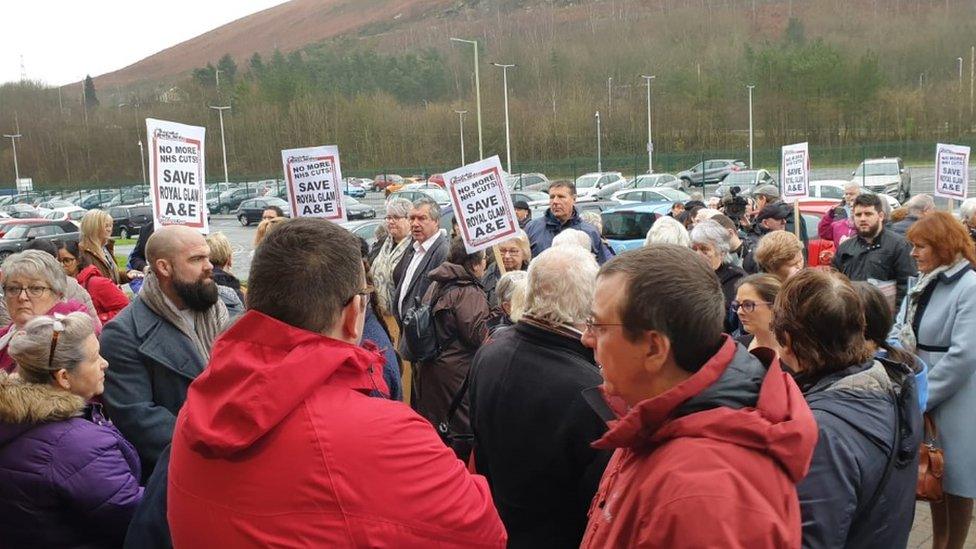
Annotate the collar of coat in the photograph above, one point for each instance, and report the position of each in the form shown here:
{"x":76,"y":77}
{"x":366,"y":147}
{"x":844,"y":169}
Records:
{"x":23,"y":402}
{"x":552,"y":221}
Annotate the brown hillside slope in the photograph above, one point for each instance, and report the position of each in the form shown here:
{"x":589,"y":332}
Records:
{"x":288,"y":27}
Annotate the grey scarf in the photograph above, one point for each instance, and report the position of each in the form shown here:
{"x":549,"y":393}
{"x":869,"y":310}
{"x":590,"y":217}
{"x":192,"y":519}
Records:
{"x":907,"y":335}
{"x":207,"y":325}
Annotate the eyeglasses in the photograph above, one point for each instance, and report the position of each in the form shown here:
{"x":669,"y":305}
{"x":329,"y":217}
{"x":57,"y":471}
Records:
{"x":67,"y":260}
{"x":394,"y":218}
{"x":747,"y":305}
{"x":32,"y":291}
{"x":509,"y":251}
{"x":364,"y":294}
{"x":597,"y":327}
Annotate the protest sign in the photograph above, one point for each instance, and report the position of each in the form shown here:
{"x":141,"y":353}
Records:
{"x":176,"y":174}
{"x":796,"y":171}
{"x":481,"y":204}
{"x":951,"y":171}
{"x":313,"y":176}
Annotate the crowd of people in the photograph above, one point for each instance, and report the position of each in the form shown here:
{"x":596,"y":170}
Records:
{"x":709,"y":389}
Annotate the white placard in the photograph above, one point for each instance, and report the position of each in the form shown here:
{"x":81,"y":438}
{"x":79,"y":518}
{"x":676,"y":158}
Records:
{"x":481,"y":204}
{"x":176,"y":174}
{"x":313,"y":177}
{"x":796,"y":171}
{"x":951,"y":171}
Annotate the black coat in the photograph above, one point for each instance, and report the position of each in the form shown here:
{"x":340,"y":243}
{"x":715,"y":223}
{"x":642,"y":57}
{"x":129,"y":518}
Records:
{"x":729,"y":276}
{"x":149,"y":528}
{"x":151,"y":365}
{"x":137,"y":258}
{"x":533,"y":431}
{"x":416,"y":286}
{"x":887,"y":258}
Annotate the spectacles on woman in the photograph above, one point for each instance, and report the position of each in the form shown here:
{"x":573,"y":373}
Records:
{"x":747,"y":305}
{"x":32,"y":291}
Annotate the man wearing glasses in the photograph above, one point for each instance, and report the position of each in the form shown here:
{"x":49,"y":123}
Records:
{"x":709,"y":440}
{"x":279,"y":442}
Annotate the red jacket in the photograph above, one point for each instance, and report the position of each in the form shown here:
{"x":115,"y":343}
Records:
{"x":109,"y":300}
{"x":278,"y":444}
{"x":706,"y":464}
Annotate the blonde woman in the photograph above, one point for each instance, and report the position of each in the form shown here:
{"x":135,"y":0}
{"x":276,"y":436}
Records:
{"x":516,"y":254}
{"x":97,"y":247}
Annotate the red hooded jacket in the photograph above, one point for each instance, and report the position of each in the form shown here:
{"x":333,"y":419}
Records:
{"x":713,"y":462}
{"x":278,"y":444}
{"x":108,"y":299}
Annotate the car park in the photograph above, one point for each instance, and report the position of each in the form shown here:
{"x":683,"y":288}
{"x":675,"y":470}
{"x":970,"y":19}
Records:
{"x":710,"y":172}
{"x":643,"y":181}
{"x":230,"y":200}
{"x":382,"y":181}
{"x":127,"y":220}
{"x":589,"y":184}
{"x":70,"y":213}
{"x":16,"y":233}
{"x":884,"y":176}
{"x":129,"y":196}
{"x":527,"y":182}
{"x":625,"y":227}
{"x":250,"y":210}
{"x":439,"y":195}
{"x":351,"y":187}
{"x":746,"y":180}
{"x":20,"y":211}
{"x":637,"y":196}
{"x":357,"y":210}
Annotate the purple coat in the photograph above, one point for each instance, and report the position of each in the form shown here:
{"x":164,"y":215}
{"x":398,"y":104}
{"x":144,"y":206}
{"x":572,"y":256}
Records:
{"x":67,"y":477}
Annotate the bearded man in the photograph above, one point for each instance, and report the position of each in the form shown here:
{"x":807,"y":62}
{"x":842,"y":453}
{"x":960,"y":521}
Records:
{"x":161,"y":342}
{"x":875,"y":253}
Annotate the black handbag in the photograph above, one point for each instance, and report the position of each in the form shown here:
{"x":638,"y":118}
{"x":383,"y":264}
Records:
{"x":461,"y":443}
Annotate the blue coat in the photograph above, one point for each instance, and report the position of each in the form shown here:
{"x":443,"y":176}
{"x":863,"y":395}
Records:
{"x":856,"y":412}
{"x":67,"y":477}
{"x":151,"y":365}
{"x":946,"y":327}
{"x":372,"y":331}
{"x":541,"y":231}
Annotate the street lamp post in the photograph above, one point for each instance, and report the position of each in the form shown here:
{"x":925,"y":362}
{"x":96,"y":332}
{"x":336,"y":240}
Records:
{"x":223,"y":144}
{"x":609,"y":94}
{"x":142,"y":162}
{"x":959,"y":60}
{"x":461,"y":122}
{"x":650,"y":142}
{"x":751,"y":86}
{"x":508,"y":136}
{"x":477,"y":90}
{"x":13,"y":141}
{"x":599,"y":150}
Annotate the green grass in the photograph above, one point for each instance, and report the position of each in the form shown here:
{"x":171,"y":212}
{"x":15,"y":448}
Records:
{"x":125,"y":241}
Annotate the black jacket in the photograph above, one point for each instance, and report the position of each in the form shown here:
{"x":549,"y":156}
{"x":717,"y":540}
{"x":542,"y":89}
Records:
{"x":887,"y":258}
{"x":223,"y":278}
{"x":729,"y":277}
{"x":901,"y":227}
{"x":856,"y":412}
{"x":418,"y":284}
{"x":137,"y":259}
{"x":533,"y":430}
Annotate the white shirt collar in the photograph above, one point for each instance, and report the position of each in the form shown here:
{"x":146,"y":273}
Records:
{"x":423,"y":247}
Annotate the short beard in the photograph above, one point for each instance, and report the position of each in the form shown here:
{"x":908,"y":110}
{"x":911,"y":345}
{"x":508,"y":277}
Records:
{"x":873,"y":232}
{"x":199,"y":295}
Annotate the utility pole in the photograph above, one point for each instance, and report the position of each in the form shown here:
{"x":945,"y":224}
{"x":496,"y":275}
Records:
{"x":599,"y":151}
{"x":750,"y":86}
{"x":508,"y":136}
{"x":461,"y":122}
{"x":13,"y":141}
{"x":609,"y":94}
{"x":142,"y":162}
{"x":477,"y":89}
{"x":650,"y":142}
{"x":223,"y":145}
{"x":959,"y":59}
{"x":972,"y":70}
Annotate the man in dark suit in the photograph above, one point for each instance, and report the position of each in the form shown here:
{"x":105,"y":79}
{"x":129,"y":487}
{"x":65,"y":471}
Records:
{"x":427,"y":252}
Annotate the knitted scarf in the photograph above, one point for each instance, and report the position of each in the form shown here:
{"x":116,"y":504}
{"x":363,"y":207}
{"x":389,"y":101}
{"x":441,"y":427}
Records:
{"x":907,"y":335}
{"x":207,"y":325}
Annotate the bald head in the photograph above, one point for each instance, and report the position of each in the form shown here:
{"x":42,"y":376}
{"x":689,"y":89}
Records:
{"x":168,"y":242}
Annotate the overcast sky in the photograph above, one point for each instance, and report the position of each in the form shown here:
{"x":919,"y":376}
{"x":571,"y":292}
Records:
{"x":63,"y":40}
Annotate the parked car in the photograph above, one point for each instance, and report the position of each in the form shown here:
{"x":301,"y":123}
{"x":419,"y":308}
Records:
{"x":250,"y":210}
{"x":230,"y":200}
{"x":357,"y":210}
{"x":834,"y":189}
{"x":648,"y":180}
{"x":625,"y":227}
{"x":382,"y":181}
{"x":70,"y":213}
{"x":710,"y":172}
{"x":437,"y":179}
{"x":129,"y":196}
{"x":637,"y":196}
{"x":746,"y":180}
{"x":97,"y":199}
{"x":55,"y":204}
{"x":127,"y":220}
{"x":534,"y":198}
{"x":16,"y":233}
{"x":589,"y":184}
{"x":365,"y":229}
{"x":20,"y":211}
{"x":351,"y":187}
{"x":439,"y":195}
{"x":884,"y":176}
{"x":527,"y":182}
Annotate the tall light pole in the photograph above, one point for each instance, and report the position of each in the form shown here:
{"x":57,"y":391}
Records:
{"x":750,"y":86}
{"x":477,"y":91}
{"x":142,"y":162}
{"x":223,"y":145}
{"x":650,"y":142}
{"x":959,"y":59}
{"x":609,"y":94}
{"x":508,"y":136}
{"x":599,"y":150}
{"x":461,"y":122}
{"x":13,"y":141}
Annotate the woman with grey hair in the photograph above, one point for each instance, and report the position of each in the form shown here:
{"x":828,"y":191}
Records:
{"x":667,"y":230}
{"x":67,"y":476}
{"x":391,"y":251}
{"x":515,"y":253}
{"x":510,"y":292}
{"x":712,"y":242}
{"x":33,"y":284}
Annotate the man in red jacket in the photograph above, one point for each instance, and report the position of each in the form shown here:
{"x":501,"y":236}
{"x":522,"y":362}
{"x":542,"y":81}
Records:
{"x":279,"y":442}
{"x":709,"y":440}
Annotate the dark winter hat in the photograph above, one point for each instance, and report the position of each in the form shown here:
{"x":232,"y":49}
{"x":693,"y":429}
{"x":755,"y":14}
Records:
{"x":521,"y":205}
{"x":779,"y":210}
